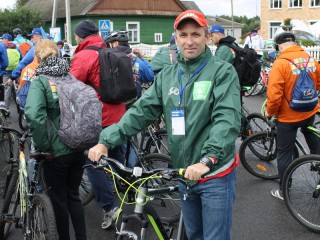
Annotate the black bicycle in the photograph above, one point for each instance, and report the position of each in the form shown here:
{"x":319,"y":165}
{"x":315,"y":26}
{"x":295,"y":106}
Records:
{"x":137,"y":183}
{"x":26,"y":206}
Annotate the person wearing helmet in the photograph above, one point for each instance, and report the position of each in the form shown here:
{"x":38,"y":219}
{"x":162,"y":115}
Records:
{"x":142,"y":70}
{"x":21,"y":41}
{"x":86,"y":68}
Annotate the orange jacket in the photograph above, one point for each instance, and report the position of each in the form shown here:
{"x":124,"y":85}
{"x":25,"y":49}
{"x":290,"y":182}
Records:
{"x":282,"y":80}
{"x":28,"y":72}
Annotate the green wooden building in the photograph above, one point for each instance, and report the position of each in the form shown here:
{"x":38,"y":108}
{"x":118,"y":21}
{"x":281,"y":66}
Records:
{"x":147,"y":21}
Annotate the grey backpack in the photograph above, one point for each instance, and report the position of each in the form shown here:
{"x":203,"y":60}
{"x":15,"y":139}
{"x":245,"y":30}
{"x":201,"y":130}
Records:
{"x":80,"y":112}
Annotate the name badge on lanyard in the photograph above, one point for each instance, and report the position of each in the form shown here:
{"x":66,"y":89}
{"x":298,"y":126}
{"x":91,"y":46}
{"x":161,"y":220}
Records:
{"x":178,"y":122}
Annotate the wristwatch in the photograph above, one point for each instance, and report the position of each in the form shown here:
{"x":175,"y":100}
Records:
{"x":209,"y":162}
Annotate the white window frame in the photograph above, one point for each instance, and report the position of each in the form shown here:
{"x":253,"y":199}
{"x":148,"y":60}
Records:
{"x":272,"y":3}
{"x":273,"y":29}
{"x":130,"y":32}
{"x":291,"y":2}
{"x":158,"y":37}
{"x":313,"y":4}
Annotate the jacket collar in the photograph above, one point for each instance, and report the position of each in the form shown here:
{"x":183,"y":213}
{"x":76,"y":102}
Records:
{"x":92,"y":40}
{"x":192,"y":65}
{"x":291,"y":50}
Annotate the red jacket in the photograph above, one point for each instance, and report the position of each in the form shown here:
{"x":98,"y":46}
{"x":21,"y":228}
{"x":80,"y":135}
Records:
{"x":85,"y":67}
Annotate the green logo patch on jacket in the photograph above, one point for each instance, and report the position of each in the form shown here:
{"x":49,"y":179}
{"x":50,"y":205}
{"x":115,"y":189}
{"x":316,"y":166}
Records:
{"x":201,"y":90}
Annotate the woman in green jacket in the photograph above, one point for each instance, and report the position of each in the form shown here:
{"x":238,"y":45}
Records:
{"x":63,"y":174}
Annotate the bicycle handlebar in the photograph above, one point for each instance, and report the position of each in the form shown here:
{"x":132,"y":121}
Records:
{"x":22,"y":134}
{"x":136,"y":171}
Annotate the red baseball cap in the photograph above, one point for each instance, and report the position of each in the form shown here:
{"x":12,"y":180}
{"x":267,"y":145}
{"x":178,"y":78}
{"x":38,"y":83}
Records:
{"x":195,"y":15}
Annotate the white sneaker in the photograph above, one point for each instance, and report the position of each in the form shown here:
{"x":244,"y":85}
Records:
{"x":109,"y":217}
{"x":277,"y":193}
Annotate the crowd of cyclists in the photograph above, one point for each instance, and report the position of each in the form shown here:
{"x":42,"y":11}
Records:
{"x":197,"y":93}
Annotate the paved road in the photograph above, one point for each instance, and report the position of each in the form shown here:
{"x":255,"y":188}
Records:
{"x":257,"y":215}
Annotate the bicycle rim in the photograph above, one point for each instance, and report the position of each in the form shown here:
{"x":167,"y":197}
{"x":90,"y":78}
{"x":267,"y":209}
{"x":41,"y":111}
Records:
{"x":42,"y":219}
{"x":258,"y":157}
{"x":166,"y":205}
{"x":10,"y":205}
{"x":299,"y":191}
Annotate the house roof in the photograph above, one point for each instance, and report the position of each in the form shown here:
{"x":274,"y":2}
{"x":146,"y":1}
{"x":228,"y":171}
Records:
{"x":224,"y":22}
{"x":88,"y":7}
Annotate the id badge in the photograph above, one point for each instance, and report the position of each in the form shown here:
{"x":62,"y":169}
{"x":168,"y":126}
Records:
{"x":178,"y":122}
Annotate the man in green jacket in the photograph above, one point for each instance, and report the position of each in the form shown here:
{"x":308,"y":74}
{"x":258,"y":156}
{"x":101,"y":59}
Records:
{"x":199,"y":98}
{"x":165,"y":56}
{"x":218,"y":38}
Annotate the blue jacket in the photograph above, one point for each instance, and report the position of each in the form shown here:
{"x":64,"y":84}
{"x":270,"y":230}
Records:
{"x":3,"y":58}
{"x":145,"y":70}
{"x":28,"y":58}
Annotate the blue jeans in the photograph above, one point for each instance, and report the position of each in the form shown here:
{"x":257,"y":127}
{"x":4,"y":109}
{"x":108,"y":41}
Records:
{"x":207,"y":208}
{"x":102,"y":184}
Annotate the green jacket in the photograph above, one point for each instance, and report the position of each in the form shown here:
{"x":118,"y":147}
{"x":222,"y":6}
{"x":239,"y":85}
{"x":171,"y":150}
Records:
{"x":162,"y":58}
{"x":42,"y":103}
{"x":212,"y":112}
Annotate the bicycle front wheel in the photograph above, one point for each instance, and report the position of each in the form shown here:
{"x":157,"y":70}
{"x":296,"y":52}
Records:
{"x":10,"y":206}
{"x":167,"y":205}
{"x":300,"y":191}
{"x":258,"y":155}
{"x":158,"y":143}
{"x":42,"y":219}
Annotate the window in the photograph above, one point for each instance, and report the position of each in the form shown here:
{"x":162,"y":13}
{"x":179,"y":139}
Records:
{"x":133,"y":29}
{"x":314,"y":3}
{"x":273,"y":28}
{"x":229,"y":32}
{"x":158,"y":37}
{"x":275,"y":3}
{"x":295,"y":3}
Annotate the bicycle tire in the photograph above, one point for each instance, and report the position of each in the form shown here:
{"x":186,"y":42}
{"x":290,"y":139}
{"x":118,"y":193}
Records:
{"x":10,"y":204}
{"x":166,"y":205}
{"x":161,"y":137}
{"x":299,"y":191}
{"x":257,"y":157}
{"x":22,"y":121}
{"x":254,"y":122}
{"x":85,"y":191}
{"x":42,"y":218}
{"x":5,"y":141}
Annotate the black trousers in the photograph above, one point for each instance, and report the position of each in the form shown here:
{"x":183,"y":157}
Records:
{"x":286,"y":136}
{"x":63,"y":176}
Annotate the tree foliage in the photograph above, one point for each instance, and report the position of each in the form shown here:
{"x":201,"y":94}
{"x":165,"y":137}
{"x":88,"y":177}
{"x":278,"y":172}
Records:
{"x":249,"y":23}
{"x":25,"y":19}
{"x":21,"y":3}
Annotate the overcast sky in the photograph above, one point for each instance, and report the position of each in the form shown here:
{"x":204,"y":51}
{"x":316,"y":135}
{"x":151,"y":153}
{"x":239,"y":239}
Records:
{"x":249,"y":8}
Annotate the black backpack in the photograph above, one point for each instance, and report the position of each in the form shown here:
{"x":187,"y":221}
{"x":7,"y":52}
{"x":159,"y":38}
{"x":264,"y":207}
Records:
{"x":116,"y":77}
{"x":246,"y":63}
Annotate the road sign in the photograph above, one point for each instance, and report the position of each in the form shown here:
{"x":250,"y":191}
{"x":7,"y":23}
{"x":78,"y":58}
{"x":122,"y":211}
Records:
{"x":104,"y":25}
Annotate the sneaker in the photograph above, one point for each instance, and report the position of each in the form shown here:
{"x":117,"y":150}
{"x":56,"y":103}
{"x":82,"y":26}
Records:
{"x":109,"y":217}
{"x":277,"y":193}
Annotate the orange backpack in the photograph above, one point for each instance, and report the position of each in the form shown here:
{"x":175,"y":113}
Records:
{"x":24,"y":48}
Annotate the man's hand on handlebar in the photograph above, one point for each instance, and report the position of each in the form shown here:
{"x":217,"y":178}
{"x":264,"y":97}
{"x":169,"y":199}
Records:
{"x":196,"y":171}
{"x":97,"y":151}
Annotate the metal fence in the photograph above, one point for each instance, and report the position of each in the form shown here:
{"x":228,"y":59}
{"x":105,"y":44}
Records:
{"x":149,"y":50}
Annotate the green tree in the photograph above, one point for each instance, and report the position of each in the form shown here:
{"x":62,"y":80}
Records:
{"x":21,"y":3}
{"x":249,"y":23}
{"x":25,"y":19}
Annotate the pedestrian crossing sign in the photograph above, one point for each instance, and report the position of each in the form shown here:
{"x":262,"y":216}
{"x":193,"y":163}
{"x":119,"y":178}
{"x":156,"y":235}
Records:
{"x":104,"y":25}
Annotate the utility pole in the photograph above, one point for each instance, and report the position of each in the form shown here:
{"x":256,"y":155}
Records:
{"x":68,"y":22}
{"x":232,"y":18}
{"x":54,"y":13}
